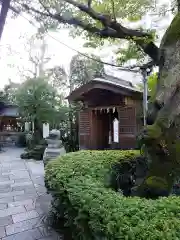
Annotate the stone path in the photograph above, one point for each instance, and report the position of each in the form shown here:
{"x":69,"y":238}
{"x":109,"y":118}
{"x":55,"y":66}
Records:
{"x":23,"y":199}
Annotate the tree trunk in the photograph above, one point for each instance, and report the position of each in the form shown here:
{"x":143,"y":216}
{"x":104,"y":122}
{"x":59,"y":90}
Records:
{"x":3,"y":15}
{"x":38,"y":135}
{"x":162,"y":136}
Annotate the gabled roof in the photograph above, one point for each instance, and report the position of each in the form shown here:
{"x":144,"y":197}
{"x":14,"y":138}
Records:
{"x":111,"y":83}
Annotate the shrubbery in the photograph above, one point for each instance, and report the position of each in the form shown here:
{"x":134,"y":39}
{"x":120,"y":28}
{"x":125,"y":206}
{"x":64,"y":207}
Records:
{"x":79,"y":183}
{"x":36,"y":152}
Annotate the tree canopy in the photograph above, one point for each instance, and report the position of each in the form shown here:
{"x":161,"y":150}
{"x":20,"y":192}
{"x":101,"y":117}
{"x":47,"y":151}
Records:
{"x":36,"y":99}
{"x":107,"y":20}
{"x":83,"y":70}
{"x":101,"y":20}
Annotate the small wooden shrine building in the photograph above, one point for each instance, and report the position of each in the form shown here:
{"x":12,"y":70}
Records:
{"x":9,"y":123}
{"x":110,"y":116}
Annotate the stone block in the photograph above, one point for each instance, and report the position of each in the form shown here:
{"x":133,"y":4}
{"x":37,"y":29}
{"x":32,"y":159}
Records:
{"x":11,"y":194}
{"x":21,"y":184}
{"x":4,"y":221}
{"x":6,"y":199}
{"x":19,"y":174}
{"x":23,"y":226}
{"x":32,"y":234}
{"x":5,"y":183}
{"x":4,"y":179}
{"x":11,"y":211}
{"x":26,"y":196}
{"x":5,"y":189}
{"x":3,"y":206}
{"x":25,"y":216}
{"x":2,"y":232}
{"x":20,"y":203}
{"x":21,"y":180}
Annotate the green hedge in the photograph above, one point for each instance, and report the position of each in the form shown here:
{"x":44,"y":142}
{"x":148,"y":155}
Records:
{"x":79,"y":183}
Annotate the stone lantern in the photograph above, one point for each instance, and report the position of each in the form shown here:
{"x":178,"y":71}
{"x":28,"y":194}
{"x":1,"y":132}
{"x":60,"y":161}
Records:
{"x":55,"y":147}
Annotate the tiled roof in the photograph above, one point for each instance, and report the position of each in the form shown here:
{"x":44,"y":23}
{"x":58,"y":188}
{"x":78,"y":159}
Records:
{"x":118,"y":82}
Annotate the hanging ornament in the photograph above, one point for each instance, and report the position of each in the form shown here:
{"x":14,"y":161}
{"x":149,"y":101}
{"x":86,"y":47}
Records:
{"x":126,"y":100}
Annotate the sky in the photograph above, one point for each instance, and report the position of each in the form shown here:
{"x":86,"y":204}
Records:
{"x":14,"y":56}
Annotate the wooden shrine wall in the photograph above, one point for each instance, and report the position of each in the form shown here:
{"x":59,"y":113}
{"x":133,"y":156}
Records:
{"x":85,"y":120}
{"x":127,"y":127}
{"x":92,"y":127}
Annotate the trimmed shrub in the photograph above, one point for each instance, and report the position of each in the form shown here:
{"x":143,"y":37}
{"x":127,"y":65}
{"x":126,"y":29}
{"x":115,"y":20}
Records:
{"x":79,"y":183}
{"x":36,"y":153}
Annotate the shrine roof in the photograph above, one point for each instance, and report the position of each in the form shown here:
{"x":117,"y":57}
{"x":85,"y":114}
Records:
{"x":111,"y":83}
{"x":9,"y":110}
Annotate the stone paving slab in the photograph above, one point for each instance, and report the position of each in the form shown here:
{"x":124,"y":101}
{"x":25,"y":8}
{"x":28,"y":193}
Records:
{"x":19,"y":174}
{"x":8,"y":182}
{"x":6,"y":199}
{"x":32,"y":234}
{"x":23,"y":199}
{"x":13,"y":165}
{"x":15,"y":172}
{"x":25,"y":196}
{"x":20,"y":203}
{"x":23,"y":226}
{"x":25,"y":216}
{"x":52,"y":238}
{"x":4,"y":221}
{"x":19,"y":180}
{"x":2,"y":232}
{"x":11,"y":194}
{"x":11,"y":211}
{"x":21,"y":184}
{"x":5,"y":188}
{"x":26,"y":189}
{"x":3,"y":206}
{"x":4,"y":179}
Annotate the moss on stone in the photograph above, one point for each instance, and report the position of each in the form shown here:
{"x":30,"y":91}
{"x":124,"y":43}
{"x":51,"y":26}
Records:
{"x":156,"y":182}
{"x":173,"y":32}
{"x":154,"y":131}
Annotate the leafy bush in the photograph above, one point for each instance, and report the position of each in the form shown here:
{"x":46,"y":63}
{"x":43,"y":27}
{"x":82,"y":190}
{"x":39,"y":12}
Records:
{"x":36,"y":153}
{"x":79,"y":183}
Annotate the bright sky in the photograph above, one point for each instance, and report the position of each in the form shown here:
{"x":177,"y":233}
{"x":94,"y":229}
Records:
{"x":15,"y":36}
{"x":14,"y":57}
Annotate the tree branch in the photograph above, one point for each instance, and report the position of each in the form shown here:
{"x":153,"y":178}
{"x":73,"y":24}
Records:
{"x":113,"y":10}
{"x":75,"y":22}
{"x":121,"y":32}
{"x":5,"y":4}
{"x":111,"y":29}
{"x":89,"y":3}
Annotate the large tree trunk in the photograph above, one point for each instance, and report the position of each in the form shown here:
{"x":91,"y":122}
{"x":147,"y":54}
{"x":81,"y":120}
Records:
{"x":162,"y":136}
